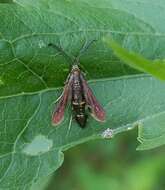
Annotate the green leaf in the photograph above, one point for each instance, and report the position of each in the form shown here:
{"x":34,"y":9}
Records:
{"x":6,"y":1}
{"x":27,"y":64}
{"x":152,"y":134}
{"x":31,"y":147}
{"x":156,"y":67}
{"x":31,"y":72}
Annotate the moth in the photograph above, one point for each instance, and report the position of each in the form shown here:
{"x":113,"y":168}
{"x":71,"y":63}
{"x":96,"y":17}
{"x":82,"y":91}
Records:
{"x":77,"y":91}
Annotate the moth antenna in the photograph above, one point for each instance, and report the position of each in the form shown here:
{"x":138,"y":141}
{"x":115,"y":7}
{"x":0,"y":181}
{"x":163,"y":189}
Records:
{"x":60,"y":49}
{"x":85,"y":46}
{"x":75,"y":60}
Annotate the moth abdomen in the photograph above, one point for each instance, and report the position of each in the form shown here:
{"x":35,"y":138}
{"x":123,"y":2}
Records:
{"x":80,"y":115}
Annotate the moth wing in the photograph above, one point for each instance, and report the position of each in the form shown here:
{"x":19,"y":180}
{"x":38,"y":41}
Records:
{"x":58,"y":114}
{"x":97,"y":110}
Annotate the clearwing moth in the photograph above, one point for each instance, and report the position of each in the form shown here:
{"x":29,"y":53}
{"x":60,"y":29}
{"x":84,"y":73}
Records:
{"x":77,"y":91}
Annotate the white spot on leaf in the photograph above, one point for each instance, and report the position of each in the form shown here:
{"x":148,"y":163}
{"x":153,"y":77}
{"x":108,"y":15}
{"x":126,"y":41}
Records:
{"x":1,"y":82}
{"x":39,"y":145}
{"x":108,"y":133}
{"x":41,"y":44}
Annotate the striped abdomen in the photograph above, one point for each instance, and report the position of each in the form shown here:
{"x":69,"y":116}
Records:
{"x":78,"y":99}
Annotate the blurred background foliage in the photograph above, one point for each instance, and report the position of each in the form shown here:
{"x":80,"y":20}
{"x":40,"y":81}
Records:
{"x":109,"y":165}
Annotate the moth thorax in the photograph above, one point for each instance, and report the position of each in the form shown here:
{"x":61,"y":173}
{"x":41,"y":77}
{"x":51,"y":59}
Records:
{"x":75,"y":68}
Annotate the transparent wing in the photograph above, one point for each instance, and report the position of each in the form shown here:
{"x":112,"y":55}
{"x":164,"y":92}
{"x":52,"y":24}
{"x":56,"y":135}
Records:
{"x":97,"y":110}
{"x":58,"y":114}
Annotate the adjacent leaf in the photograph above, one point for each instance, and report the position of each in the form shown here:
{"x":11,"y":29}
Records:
{"x":152,"y":134}
{"x":156,"y":67}
{"x":31,"y":147}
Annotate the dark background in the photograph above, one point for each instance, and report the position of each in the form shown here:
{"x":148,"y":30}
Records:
{"x":110,"y":165}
